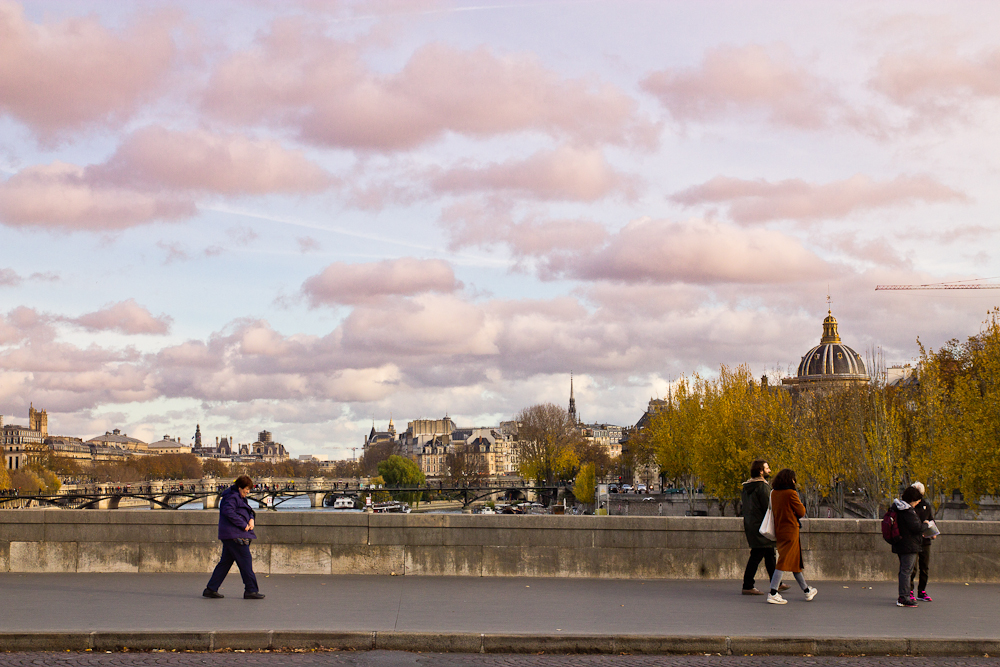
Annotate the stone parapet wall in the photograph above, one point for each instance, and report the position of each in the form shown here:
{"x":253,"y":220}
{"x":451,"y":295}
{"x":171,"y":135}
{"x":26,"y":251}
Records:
{"x":469,"y":545}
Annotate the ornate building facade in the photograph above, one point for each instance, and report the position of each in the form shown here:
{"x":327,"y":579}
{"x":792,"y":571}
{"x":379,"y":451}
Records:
{"x":22,"y":445}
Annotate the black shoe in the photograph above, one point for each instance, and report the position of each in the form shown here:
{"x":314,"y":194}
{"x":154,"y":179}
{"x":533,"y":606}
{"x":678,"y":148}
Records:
{"x":906,"y":602}
{"x":253,"y":596}
{"x":209,"y":593}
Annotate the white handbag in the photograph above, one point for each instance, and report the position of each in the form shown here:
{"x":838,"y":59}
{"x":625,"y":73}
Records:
{"x":767,"y":525}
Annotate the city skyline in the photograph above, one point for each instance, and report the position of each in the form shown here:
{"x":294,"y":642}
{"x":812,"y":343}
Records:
{"x":307,"y":216}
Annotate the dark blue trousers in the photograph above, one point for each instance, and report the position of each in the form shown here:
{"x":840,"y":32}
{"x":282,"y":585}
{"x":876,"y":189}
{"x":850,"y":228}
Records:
{"x":234,"y":552}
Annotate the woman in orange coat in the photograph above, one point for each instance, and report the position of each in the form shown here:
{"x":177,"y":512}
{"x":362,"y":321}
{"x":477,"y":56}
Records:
{"x":787,"y":509}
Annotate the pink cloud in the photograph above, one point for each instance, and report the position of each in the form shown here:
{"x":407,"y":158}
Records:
{"x":425,"y":351}
{"x":193,"y":354}
{"x":660,"y":251}
{"x":154,"y":175}
{"x":9,"y":278}
{"x":489,"y":223}
{"x":745,"y":79}
{"x":59,"y":196}
{"x":759,"y":201}
{"x":938,"y":83}
{"x":307,"y":244}
{"x":342,"y":283}
{"x":126,"y":317}
{"x":430,"y":324}
{"x":230,"y":164}
{"x":567,"y":173}
{"x":296,"y":77}
{"x":58,"y":77}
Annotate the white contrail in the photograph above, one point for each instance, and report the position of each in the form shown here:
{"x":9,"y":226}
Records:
{"x":459,"y":258}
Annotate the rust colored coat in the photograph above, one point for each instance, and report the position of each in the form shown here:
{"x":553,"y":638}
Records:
{"x":787,"y":509}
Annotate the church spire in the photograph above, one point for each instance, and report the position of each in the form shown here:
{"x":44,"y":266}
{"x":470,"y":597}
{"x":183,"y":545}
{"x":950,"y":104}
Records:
{"x":572,"y":400}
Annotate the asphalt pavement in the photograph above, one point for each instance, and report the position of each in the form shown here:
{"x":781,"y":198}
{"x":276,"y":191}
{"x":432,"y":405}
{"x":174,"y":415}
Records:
{"x":492,"y":615}
{"x":408,"y":659}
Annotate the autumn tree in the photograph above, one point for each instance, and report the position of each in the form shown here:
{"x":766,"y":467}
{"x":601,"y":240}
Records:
{"x":956,"y":428}
{"x":377,"y":492}
{"x":27,"y":481}
{"x":465,"y":467}
{"x":596,"y":455}
{"x":375,"y":454}
{"x":547,"y":443}
{"x":342,"y":469}
{"x":673,"y":434}
{"x":743,"y":420}
{"x":64,"y":466}
{"x":585,"y":483}
{"x":214,"y":468}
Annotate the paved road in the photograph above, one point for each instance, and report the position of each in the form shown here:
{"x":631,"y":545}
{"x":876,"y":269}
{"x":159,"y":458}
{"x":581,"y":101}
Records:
{"x":115,"y":602}
{"x":399,"y":659}
{"x":487,"y":615}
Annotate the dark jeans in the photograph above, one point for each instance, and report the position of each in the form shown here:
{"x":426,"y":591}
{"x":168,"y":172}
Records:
{"x":234,"y":552}
{"x":924,"y":565}
{"x":906,"y":563}
{"x":758,"y":554}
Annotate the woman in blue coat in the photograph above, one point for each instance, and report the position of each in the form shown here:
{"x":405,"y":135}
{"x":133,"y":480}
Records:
{"x":235,"y":531}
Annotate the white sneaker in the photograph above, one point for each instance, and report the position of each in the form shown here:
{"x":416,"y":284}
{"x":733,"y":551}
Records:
{"x":776,"y":599}
{"x":811,"y":593}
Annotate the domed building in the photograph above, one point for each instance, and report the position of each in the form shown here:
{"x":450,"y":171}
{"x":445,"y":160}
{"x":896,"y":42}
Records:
{"x":831,"y":364}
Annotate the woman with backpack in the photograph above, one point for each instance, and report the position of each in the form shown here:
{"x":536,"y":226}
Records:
{"x":909,"y":543}
{"x":787,"y":509}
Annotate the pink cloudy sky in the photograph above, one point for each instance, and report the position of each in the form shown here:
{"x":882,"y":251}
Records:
{"x":301,"y":216}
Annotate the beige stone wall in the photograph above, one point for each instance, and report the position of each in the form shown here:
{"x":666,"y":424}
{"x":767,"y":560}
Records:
{"x":468,"y":545}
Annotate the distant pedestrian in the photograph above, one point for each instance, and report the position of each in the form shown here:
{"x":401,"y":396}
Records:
{"x":236,"y":522}
{"x":754,"y":500}
{"x":907,"y":547}
{"x":925,"y":514}
{"x":787,"y":509}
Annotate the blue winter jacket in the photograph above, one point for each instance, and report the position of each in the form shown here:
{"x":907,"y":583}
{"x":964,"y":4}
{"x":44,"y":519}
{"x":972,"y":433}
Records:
{"x":234,"y":516}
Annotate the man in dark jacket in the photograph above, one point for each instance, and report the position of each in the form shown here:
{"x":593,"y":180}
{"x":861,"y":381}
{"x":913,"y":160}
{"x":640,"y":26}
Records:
{"x":236,"y":522}
{"x":755,"y":499}
{"x":925,"y":514}
{"x":911,"y":533}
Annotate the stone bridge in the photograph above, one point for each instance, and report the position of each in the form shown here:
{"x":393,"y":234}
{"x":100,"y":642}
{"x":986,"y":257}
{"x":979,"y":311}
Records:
{"x":175,"y":494}
{"x":268,"y":492}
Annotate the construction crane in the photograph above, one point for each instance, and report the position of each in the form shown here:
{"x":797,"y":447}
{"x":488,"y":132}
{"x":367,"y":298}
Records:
{"x":958,"y":284}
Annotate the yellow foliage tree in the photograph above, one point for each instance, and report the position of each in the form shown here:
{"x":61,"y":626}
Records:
{"x":583,"y":486}
{"x":674,"y":435}
{"x":547,"y":442}
{"x":743,"y":420}
{"x":956,"y":428}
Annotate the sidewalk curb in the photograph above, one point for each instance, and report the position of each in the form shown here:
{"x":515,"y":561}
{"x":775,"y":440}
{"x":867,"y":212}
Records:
{"x":468,"y":642}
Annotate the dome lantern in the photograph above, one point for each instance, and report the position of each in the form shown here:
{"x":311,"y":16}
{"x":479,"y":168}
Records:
{"x":830,"y":334}
{"x":830,"y":363}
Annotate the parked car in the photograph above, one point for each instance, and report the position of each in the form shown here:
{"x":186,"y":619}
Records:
{"x":626,"y":488}
{"x":640,"y":488}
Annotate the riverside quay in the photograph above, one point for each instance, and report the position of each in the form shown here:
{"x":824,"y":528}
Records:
{"x":116,"y":580}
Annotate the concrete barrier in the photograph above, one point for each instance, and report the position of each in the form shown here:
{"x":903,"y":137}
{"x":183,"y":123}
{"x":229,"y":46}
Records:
{"x":468,"y":545}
